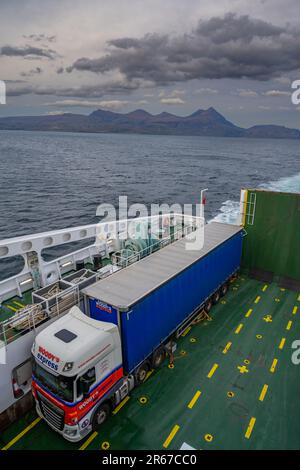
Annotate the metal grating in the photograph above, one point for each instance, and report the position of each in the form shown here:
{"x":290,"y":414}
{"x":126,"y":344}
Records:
{"x":52,"y":414}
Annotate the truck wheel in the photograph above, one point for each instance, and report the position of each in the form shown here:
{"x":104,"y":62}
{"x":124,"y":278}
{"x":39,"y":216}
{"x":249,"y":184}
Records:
{"x":224,"y":289}
{"x":208,"y":306}
{"x":141,"y":373}
{"x":100,"y":416}
{"x":216,"y":297}
{"x":158,"y":358}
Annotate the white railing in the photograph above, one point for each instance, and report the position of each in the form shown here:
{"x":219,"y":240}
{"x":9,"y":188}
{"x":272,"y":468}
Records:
{"x":33,"y":315}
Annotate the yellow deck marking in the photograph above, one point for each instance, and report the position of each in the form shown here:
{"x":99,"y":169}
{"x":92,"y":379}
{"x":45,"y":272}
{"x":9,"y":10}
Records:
{"x":239,"y":328}
{"x":273,"y":366}
{"x":265,"y":288}
{"x":186,"y":331}
{"x":295,"y":309}
{"x":289,"y":325}
{"x":282,"y":343}
{"x":149,"y":374}
{"x":18,"y":304}
{"x":171,"y":436}
{"x":88,"y":441}
{"x":212,"y":371}
{"x":250,"y":428}
{"x":11,"y":308}
{"x":257,"y":299}
{"x":263,"y":392}
{"x":120,"y":405}
{"x":19,"y":436}
{"x":243,"y":369}
{"x":268,"y":318}
{"x":194,"y":399}
{"x":248,"y":313}
{"x":227,"y":347}
{"x":298,"y":298}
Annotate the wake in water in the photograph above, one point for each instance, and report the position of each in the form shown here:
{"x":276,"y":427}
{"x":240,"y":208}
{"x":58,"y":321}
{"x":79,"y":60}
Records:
{"x":229,"y":211}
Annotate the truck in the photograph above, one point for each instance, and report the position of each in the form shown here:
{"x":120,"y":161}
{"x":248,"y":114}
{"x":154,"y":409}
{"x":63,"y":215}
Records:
{"x":86,"y":363}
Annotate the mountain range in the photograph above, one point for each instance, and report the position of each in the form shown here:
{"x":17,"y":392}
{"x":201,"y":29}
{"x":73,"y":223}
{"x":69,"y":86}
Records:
{"x":207,"y":122}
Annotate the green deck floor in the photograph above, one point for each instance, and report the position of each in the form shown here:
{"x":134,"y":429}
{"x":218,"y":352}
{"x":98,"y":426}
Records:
{"x":243,"y":370}
{"x":11,"y":306}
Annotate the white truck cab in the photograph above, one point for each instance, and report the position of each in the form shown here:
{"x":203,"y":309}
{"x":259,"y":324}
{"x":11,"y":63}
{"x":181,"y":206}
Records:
{"x":77,"y":371}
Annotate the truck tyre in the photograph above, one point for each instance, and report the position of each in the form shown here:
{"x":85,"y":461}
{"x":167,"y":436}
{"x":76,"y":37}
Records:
{"x":216,"y":297}
{"x":100,"y":416}
{"x":141,"y":373}
{"x":224,"y":289}
{"x":208,"y":306}
{"x":158,"y":358}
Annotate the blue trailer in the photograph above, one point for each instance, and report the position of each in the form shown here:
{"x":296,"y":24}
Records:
{"x":159,"y":295}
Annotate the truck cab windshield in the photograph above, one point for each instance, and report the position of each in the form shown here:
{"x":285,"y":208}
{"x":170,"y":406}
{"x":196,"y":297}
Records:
{"x":60,"y":385}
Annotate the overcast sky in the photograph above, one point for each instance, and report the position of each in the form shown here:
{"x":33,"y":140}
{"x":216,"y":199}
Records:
{"x":238,"y":56}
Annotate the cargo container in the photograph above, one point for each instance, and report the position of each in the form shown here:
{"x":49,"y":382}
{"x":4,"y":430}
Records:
{"x":152,"y":298}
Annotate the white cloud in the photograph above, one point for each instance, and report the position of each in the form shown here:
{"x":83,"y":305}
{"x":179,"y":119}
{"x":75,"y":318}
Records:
{"x":106,"y":104}
{"x":209,"y":91}
{"x":172,"y":101}
{"x":277,"y":93}
{"x":247,"y":93}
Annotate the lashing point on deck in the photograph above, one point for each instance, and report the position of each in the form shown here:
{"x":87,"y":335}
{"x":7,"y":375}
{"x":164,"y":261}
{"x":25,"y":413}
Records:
{"x":208,"y":437}
{"x":143,"y":400}
{"x":105,"y":445}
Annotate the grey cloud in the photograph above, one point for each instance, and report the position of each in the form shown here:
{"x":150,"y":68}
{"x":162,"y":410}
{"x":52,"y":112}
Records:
{"x":36,"y":71}
{"x":222,"y":47}
{"x":86,"y":91}
{"x":27,"y":51}
{"x":40,"y":37}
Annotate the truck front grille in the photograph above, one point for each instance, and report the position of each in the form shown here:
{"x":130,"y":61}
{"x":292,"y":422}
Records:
{"x":52,"y":414}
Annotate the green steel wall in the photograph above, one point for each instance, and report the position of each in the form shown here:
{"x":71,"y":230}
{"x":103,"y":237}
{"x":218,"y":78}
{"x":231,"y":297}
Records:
{"x":273,"y":241}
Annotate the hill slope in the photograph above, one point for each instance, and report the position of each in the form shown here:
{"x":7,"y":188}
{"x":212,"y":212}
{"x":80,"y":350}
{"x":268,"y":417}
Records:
{"x":202,"y":123}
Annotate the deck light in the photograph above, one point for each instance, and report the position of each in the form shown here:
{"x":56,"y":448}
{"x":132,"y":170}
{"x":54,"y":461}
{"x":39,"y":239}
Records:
{"x":27,"y":281}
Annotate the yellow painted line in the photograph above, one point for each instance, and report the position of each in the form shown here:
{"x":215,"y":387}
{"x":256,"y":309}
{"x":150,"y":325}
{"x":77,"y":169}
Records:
{"x":263,"y":392}
{"x":88,"y":441}
{"x":186,"y":331}
{"x":120,"y":405}
{"x":239,"y":328}
{"x":250,"y":428}
{"x":18,"y":304}
{"x":257,"y":299}
{"x":248,"y":313}
{"x":19,"y":436}
{"x":11,"y":308}
{"x":273,"y":366}
{"x":288,"y":326}
{"x":194,"y":399}
{"x":227,"y":347}
{"x":171,"y":436}
{"x":148,"y":374}
{"x":212,"y":371}
{"x":265,"y":288}
{"x":295,"y":309}
{"x":282,"y":343}
{"x":298,"y":298}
